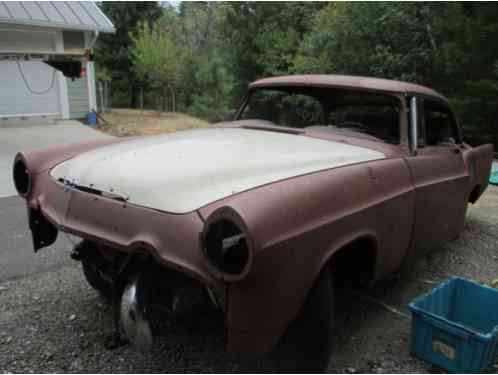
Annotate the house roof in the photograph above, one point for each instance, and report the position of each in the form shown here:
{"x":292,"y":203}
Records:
{"x":72,"y":15}
{"x":349,"y":82}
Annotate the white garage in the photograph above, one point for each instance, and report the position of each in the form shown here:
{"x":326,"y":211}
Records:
{"x":29,"y":88}
{"x":32,"y":32}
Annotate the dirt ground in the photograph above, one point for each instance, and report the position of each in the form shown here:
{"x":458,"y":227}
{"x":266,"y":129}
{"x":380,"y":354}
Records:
{"x":54,"y":322}
{"x":373,"y":339}
{"x":131,"y":122}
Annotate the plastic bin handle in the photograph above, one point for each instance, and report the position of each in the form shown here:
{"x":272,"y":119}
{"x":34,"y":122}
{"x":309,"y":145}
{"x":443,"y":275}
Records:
{"x":457,"y":331}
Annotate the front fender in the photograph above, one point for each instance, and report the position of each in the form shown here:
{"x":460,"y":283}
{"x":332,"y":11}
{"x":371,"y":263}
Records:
{"x":41,"y":160}
{"x":298,"y":225}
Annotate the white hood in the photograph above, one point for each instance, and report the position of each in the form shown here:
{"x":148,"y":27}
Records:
{"x":184,"y":171}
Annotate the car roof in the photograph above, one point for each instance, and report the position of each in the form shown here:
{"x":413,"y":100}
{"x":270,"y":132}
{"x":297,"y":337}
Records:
{"x":348,"y":82}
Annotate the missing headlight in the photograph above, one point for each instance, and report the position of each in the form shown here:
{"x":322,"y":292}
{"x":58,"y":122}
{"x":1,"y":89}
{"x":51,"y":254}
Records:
{"x":226,"y":247}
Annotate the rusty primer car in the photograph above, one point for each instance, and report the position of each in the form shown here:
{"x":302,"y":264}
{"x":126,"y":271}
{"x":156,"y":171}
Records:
{"x":320,"y":180}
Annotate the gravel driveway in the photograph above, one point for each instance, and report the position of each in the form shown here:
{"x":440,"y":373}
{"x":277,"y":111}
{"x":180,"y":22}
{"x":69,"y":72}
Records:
{"x":54,"y":322}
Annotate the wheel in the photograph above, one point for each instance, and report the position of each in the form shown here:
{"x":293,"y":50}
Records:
{"x":95,"y":280}
{"x":134,"y":323}
{"x":307,"y":344}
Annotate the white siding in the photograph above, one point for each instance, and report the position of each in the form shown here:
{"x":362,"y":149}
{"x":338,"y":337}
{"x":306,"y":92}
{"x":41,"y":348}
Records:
{"x":14,"y":39}
{"x":77,"y":91}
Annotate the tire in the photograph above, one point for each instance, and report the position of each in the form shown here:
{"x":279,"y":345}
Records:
{"x":96,"y":281}
{"x":307,"y":344}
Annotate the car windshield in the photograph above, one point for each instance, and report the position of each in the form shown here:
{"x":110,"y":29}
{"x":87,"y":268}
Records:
{"x":356,"y":113}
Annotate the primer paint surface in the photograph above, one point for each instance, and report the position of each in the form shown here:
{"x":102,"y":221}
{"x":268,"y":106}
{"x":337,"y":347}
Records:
{"x":184,"y":171}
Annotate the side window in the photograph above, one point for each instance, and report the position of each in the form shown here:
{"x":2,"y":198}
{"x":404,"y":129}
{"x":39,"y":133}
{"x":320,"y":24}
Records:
{"x":440,"y":126}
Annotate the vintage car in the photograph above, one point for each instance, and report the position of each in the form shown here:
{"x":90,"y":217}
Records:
{"x":321,"y":181}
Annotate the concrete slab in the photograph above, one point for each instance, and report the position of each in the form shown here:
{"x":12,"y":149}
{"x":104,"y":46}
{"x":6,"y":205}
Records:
{"x":15,"y":138}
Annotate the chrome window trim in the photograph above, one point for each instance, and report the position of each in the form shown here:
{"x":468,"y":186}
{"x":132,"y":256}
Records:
{"x":413,"y":125}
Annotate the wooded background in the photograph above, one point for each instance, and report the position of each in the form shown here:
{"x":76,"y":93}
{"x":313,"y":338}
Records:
{"x":198,"y":57}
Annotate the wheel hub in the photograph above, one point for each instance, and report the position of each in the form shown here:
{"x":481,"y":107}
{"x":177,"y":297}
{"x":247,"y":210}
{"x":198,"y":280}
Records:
{"x":133,"y":319}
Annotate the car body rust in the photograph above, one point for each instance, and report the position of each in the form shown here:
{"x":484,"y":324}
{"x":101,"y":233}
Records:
{"x":396,"y":206}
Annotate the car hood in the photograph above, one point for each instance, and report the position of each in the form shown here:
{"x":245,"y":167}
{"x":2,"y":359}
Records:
{"x":184,"y":171}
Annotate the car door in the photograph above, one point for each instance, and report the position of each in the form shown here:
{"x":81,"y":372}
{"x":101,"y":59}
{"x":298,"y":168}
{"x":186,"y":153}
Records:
{"x":439,"y":176}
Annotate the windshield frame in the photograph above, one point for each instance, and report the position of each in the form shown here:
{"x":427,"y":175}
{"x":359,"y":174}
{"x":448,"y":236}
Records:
{"x":297,"y":89}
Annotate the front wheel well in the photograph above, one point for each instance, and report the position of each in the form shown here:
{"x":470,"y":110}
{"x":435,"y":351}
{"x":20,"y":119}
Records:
{"x":353,"y":265}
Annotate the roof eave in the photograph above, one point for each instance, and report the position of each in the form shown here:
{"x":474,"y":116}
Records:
{"x":57,"y":25}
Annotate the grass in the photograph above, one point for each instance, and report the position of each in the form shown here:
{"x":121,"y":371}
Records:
{"x":133,"y":122}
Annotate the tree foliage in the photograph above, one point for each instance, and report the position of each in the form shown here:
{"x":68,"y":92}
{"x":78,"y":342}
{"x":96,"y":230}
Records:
{"x":218,"y":48}
{"x":450,"y":47}
{"x":113,"y":50}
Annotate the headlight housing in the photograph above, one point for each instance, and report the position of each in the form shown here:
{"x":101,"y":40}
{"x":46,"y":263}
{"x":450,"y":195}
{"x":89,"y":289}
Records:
{"x":22,"y":176}
{"x":226,"y":244}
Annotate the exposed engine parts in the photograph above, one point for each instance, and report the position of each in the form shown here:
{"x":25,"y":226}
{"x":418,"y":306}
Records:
{"x":140,"y":289}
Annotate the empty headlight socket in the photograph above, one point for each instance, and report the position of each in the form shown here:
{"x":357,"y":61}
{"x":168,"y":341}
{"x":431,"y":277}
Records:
{"x":21,"y":176}
{"x":227,"y":245}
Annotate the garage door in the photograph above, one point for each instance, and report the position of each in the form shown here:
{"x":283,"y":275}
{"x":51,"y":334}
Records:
{"x":28,"y":88}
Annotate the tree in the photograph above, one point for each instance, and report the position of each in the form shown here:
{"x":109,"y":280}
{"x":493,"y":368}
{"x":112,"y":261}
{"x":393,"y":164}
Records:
{"x":218,"y":48}
{"x":112,"y":50}
{"x":376,"y":39}
{"x":157,"y":60}
{"x":211,"y":97}
{"x":263,"y":37}
{"x":450,"y":47}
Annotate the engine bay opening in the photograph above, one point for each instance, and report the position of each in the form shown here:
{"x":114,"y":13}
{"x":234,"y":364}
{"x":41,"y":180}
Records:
{"x":148,"y":297}
{"x":167,"y":288}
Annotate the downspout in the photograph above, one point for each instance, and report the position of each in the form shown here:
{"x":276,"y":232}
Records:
{"x":91,"y":73}
{"x":94,"y":40}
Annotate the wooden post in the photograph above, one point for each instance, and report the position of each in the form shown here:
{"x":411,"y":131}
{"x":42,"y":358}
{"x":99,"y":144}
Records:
{"x":109,"y":97}
{"x":142,"y":98}
{"x":173,"y":99}
{"x":106,"y":96}
{"x":101,"y":94}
